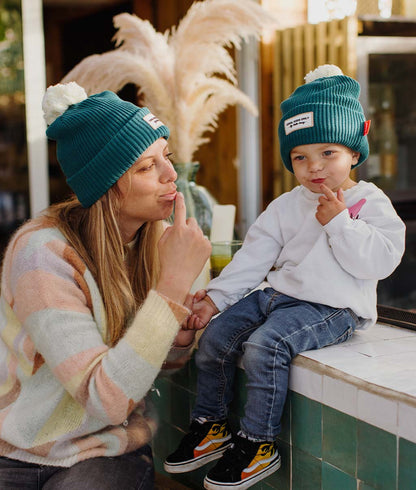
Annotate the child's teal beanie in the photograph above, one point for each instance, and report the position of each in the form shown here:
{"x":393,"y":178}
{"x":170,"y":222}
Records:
{"x":97,"y":138}
{"x":325,"y":109}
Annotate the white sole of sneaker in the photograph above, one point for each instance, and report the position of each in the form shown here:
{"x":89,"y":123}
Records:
{"x":193,"y":464}
{"x":247,"y":483}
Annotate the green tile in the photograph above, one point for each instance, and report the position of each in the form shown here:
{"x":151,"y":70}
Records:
{"x":376,"y":456}
{"x":306,"y":424}
{"x":192,"y":374}
{"x":339,"y":440}
{"x":165,"y":441}
{"x":180,"y":407}
{"x":281,"y":478}
{"x":306,"y":471}
{"x":407,"y":465}
{"x":162,"y":398}
{"x":333,"y":478}
{"x":285,"y":422}
{"x":181,"y":376}
{"x":363,"y":486}
{"x":172,"y":403}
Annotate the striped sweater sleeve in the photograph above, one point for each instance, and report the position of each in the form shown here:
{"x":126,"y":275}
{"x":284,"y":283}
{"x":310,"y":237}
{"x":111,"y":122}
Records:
{"x":58,"y":304}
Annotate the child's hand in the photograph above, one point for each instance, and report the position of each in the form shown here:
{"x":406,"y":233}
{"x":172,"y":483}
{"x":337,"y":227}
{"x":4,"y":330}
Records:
{"x":329,"y":205}
{"x":203,"y":309}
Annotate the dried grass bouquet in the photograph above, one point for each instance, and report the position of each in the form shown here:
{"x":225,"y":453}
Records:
{"x":186,"y":76}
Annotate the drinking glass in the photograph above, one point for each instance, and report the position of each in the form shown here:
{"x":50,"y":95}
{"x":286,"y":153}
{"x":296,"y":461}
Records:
{"x":221,"y":255}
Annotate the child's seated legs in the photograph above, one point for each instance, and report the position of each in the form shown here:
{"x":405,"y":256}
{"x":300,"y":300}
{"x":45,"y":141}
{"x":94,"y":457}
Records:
{"x":220,"y":348}
{"x":292,"y":326}
{"x":267,"y":329}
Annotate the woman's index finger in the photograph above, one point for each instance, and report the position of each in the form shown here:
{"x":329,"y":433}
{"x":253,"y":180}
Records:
{"x":180,"y":210}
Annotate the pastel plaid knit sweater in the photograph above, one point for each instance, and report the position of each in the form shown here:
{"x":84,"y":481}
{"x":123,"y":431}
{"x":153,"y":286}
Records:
{"x":65,"y":395}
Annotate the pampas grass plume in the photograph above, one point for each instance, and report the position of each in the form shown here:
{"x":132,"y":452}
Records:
{"x":186,"y":76}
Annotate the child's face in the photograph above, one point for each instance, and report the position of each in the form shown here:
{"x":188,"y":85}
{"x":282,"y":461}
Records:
{"x":323,"y":163}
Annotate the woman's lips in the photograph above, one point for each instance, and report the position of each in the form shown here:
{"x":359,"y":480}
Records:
{"x":171,"y":196}
{"x":318,"y":181}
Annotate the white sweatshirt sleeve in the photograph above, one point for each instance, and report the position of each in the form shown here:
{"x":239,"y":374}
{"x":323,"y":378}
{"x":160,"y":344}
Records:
{"x":370,"y":246}
{"x":251,"y":263}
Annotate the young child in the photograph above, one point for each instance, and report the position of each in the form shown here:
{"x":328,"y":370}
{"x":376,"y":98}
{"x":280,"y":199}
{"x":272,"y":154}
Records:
{"x":322,"y":247}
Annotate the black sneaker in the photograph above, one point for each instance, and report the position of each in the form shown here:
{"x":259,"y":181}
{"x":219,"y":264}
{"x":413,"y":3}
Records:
{"x":205,"y":442}
{"x":244,"y":464}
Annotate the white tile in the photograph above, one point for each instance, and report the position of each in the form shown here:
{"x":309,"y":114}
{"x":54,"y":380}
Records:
{"x":306,"y":382}
{"x":340,"y":395}
{"x":377,"y":410}
{"x":327,"y":355}
{"x":361,"y":336}
{"x":407,"y":422}
{"x":387,"y":332}
{"x":406,"y":360}
{"x":382,"y":356}
{"x":398,"y":381}
{"x":386,"y":347}
{"x":361,"y":367}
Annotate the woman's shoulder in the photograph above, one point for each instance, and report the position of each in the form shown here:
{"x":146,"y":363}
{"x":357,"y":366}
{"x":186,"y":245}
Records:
{"x":35,"y":233}
{"x":30,"y":249}
{"x":33,"y":244}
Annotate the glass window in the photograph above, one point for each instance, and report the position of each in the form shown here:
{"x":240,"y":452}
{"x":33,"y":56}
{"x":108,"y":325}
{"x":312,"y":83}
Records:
{"x":14,"y":186}
{"x":387,"y":71}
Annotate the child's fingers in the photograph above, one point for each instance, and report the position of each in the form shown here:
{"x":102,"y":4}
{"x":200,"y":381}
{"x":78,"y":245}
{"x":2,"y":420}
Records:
{"x":194,"y":323}
{"x":327,"y":192}
{"x":200,"y":294}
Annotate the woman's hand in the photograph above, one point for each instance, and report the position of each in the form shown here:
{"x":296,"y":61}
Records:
{"x":183,"y":252}
{"x":185,"y":337}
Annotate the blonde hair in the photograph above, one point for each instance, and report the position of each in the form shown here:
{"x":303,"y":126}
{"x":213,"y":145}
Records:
{"x":124,"y":274}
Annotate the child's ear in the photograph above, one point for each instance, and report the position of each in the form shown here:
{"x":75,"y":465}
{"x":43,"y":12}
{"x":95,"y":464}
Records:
{"x":355,"y":157}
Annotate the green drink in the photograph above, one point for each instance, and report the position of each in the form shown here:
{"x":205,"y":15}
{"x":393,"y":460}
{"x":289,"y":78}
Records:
{"x":221,"y":255}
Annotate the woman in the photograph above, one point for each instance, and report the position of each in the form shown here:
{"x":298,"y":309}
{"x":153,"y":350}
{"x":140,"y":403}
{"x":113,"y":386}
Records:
{"x":93,"y":294}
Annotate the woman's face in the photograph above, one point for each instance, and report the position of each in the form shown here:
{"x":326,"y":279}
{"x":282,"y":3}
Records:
{"x":148,"y":190}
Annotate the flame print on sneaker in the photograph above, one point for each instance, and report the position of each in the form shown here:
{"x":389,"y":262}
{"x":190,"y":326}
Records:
{"x":265,"y":455}
{"x":217,"y":435}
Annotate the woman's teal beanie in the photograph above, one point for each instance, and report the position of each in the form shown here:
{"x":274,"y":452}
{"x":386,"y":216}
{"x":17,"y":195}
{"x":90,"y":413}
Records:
{"x":325,"y":109}
{"x":97,"y":138}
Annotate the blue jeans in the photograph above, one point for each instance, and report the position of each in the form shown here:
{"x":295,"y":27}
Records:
{"x":267,"y":330}
{"x":130,"y":471}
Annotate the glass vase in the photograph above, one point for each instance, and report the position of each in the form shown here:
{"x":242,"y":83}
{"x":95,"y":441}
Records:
{"x":198,"y":200}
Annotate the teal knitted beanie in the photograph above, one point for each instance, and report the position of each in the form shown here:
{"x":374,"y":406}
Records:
{"x":325,"y":109}
{"x":97,"y":138}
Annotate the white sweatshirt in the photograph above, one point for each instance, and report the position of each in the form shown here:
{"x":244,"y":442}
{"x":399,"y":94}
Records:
{"x":338,"y":264}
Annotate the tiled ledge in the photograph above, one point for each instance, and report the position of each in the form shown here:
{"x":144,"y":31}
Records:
{"x":349,"y":420}
{"x":371,"y":377}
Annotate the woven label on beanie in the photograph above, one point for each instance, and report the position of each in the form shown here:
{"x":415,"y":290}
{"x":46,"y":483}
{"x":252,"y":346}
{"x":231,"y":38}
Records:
{"x":300,"y":121}
{"x":152,"y":121}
